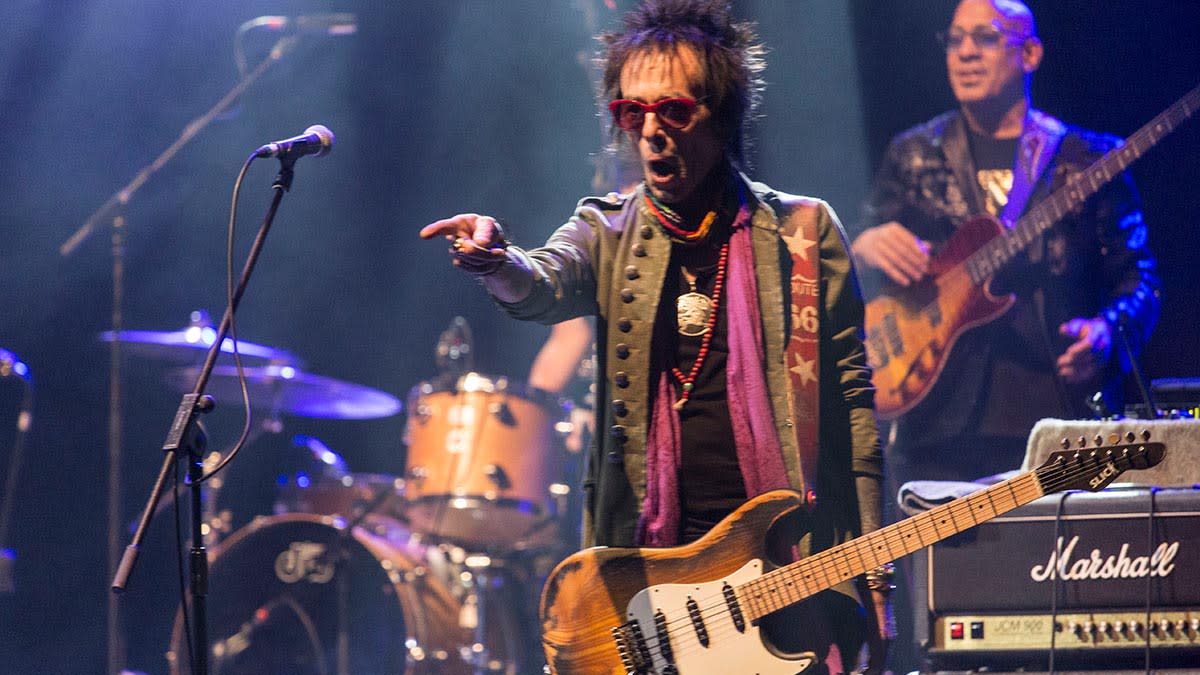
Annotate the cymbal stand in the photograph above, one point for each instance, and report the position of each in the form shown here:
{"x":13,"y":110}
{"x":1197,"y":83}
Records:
{"x":11,"y":366}
{"x":112,"y":212}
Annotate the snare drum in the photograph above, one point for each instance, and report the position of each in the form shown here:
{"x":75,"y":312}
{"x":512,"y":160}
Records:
{"x":285,"y":588}
{"x":482,"y":467}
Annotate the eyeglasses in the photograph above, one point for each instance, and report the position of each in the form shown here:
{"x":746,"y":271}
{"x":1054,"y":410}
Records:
{"x":984,"y":37}
{"x":676,"y":113}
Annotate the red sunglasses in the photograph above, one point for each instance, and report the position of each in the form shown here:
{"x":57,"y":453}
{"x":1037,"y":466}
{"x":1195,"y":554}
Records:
{"x":676,"y":113}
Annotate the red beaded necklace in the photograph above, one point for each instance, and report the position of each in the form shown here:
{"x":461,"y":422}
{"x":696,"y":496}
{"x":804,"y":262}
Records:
{"x":688,"y":382}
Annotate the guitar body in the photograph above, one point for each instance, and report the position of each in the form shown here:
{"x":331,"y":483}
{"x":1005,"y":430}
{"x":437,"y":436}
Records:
{"x":596,"y":590}
{"x":911,"y":330}
{"x":696,"y":609}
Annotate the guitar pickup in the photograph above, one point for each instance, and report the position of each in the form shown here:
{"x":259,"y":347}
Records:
{"x":693,"y":610}
{"x":664,"y":638}
{"x":735,"y":609}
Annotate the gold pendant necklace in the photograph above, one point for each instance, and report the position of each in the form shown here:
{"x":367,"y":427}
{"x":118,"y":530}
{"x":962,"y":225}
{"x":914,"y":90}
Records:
{"x":693,"y":310}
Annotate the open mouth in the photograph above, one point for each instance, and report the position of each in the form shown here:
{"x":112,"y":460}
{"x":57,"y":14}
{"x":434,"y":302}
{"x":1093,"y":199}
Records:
{"x":663,"y":169}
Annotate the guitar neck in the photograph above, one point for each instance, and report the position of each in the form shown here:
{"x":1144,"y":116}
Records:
{"x":990,"y":257}
{"x":795,"y":582}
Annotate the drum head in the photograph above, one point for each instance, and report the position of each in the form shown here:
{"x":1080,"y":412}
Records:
{"x":285,"y":589}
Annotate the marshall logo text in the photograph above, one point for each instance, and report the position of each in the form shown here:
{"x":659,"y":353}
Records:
{"x":1097,"y":566}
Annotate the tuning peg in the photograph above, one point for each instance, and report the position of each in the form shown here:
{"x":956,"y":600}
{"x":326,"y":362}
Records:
{"x":1099,"y":439}
{"x":1065,"y":443}
{"x":1145,"y":434}
{"x":1082,"y":442}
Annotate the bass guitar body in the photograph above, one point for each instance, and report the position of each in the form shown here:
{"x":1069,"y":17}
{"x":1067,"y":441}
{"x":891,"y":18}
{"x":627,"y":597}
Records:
{"x":911,"y":330}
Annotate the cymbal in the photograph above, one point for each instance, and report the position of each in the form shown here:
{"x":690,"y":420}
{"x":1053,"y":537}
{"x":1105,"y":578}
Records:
{"x":191,"y":344}
{"x":285,"y":389}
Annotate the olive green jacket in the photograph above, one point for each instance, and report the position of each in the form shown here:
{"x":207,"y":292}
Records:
{"x":610,"y":260}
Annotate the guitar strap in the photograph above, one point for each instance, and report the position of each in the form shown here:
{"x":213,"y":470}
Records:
{"x":1039,"y":141}
{"x":802,"y":351}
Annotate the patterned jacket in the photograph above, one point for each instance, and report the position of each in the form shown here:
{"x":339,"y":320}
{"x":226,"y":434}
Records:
{"x":610,"y":259}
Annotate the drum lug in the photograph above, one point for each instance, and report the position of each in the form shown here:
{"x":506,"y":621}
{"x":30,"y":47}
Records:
{"x":496,"y":474}
{"x":501,"y":411}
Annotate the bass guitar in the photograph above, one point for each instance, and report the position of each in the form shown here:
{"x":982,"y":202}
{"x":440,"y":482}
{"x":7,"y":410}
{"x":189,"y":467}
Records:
{"x":695,"y":609}
{"x":911,"y":330}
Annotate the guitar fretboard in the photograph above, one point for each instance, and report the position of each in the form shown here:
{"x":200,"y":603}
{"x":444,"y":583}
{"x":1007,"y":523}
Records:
{"x":990,"y":257}
{"x":791,"y":584}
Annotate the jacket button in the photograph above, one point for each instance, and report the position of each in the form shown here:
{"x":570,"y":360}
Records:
{"x":621,"y":378}
{"x":639,"y":250}
{"x":647,"y":232}
{"x":627,"y":295}
{"x":622,"y":351}
{"x":624,"y":325}
{"x":617,"y":431}
{"x":619,"y":408}
{"x":631,"y":273}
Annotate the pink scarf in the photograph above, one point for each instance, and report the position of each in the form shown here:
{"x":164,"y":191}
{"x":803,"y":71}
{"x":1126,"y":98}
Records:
{"x":759,"y":452}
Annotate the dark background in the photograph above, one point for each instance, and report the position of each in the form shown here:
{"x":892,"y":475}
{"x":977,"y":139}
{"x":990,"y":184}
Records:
{"x":438,"y":108}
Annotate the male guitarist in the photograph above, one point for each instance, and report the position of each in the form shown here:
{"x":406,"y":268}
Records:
{"x":1075,"y":285}
{"x":728,"y":320}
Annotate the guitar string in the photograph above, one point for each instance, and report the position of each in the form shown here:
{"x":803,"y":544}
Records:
{"x":1040,"y":480}
{"x":727,"y":629}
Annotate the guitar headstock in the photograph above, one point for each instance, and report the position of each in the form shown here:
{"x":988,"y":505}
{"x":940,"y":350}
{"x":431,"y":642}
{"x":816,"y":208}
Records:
{"x":1094,"y":468}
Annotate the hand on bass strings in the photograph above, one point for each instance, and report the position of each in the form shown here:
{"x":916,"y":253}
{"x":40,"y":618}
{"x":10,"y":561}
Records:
{"x":894,"y":250}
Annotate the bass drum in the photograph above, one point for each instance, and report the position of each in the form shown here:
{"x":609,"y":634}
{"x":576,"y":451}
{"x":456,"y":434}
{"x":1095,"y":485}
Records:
{"x":300,"y":594}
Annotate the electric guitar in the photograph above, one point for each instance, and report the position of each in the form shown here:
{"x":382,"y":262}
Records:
{"x":910,"y":331}
{"x":695,"y":609}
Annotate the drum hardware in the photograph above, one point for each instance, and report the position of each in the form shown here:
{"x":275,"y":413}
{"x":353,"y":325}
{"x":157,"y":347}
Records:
{"x":497,"y":476}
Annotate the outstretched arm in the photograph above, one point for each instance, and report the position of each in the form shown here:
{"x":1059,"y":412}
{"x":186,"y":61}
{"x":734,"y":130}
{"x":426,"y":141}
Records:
{"x":478,"y":248}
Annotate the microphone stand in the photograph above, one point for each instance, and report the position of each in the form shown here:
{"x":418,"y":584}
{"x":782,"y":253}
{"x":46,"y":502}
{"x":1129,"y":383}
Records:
{"x":111,"y":211}
{"x":187,"y":436}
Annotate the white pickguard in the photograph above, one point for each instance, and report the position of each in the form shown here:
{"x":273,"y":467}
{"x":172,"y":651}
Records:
{"x":728,"y":650}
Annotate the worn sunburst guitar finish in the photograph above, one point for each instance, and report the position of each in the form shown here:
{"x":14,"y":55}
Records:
{"x":695,"y":609}
{"x":910,"y":331}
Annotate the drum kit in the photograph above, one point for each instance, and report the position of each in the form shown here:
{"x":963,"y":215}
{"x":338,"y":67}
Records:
{"x":432,"y":571}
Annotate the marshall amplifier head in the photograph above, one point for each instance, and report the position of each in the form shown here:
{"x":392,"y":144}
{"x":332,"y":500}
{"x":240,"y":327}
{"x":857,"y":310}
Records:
{"x":1091,"y":575}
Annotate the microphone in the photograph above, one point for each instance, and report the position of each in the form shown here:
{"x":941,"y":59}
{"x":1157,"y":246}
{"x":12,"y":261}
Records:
{"x":316,"y":140}
{"x":330,"y":24}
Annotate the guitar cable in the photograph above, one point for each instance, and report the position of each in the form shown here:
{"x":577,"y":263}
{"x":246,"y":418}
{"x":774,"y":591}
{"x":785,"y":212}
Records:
{"x":1055,"y":578}
{"x":1149,"y":577}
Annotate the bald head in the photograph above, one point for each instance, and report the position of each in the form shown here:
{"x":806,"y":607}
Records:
{"x":1015,"y":14}
{"x":991,"y":53}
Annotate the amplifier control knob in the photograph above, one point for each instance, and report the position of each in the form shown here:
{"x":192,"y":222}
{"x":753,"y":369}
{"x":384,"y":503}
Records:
{"x":1135,"y":627}
{"x":1089,"y":628}
{"x":1075,"y":629}
{"x":1166,"y":627}
{"x":1195,"y":624}
{"x":1105,"y":628}
{"x":1119,"y":627}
